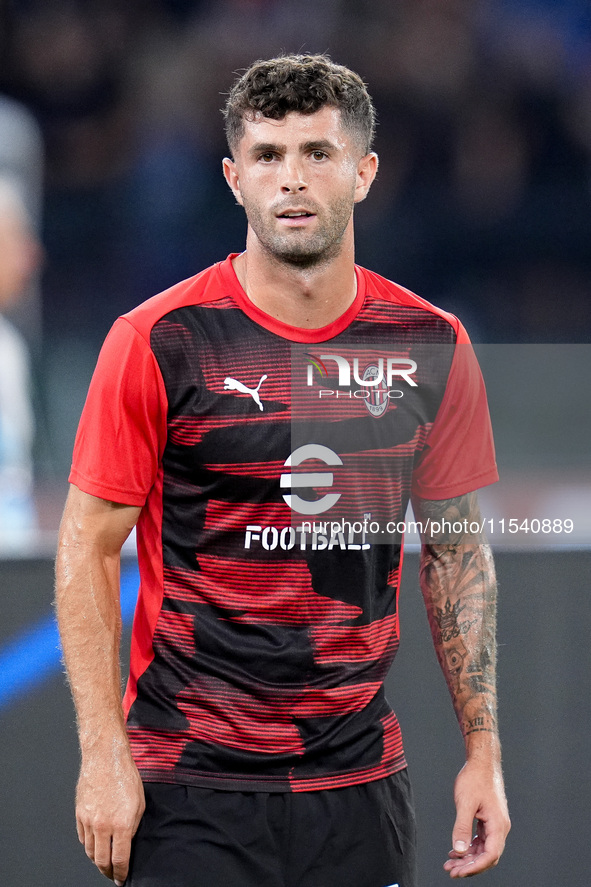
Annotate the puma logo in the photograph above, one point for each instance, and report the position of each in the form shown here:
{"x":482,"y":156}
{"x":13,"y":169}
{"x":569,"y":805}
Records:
{"x":235,"y":385}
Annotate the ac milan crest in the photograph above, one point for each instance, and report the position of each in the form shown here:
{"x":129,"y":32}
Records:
{"x":377,"y":399}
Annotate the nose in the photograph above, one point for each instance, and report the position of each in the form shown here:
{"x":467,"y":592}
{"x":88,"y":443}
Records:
{"x":293,"y":178}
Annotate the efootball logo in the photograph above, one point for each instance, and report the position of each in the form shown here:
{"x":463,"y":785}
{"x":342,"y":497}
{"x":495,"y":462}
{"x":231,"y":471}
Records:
{"x":311,"y":480}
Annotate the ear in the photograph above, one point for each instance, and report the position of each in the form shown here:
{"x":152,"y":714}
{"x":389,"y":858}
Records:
{"x":231,"y":176}
{"x":366,"y":172}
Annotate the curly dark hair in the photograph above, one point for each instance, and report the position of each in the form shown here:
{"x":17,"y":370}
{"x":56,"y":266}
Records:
{"x":303,"y":83}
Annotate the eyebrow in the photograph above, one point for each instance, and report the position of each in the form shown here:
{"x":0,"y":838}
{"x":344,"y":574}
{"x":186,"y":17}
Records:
{"x":319,"y":145}
{"x":264,"y":147}
{"x":313,"y":145}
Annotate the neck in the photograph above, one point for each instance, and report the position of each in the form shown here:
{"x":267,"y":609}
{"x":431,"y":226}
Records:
{"x":306,"y":297}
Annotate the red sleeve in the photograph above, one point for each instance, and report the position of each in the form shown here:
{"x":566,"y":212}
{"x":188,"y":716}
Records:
{"x":459,"y":453}
{"x":122,"y":430}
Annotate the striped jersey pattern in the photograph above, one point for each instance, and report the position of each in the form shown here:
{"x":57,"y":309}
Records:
{"x":263,"y":635}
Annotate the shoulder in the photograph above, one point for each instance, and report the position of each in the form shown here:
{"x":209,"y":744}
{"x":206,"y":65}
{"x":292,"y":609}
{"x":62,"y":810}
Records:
{"x":387,"y":291}
{"x":207,"y":287}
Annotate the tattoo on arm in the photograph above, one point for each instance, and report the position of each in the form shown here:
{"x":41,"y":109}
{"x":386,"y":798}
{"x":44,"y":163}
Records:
{"x":459,"y":588}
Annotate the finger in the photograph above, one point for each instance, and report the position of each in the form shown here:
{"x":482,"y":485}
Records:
{"x":465,"y":870}
{"x":80,"y":830}
{"x":453,"y":855}
{"x":491,"y":837}
{"x":102,"y":852}
{"x":478,"y":859}
{"x":466,"y":867}
{"x":120,"y":852}
{"x":461,"y":836}
{"x":89,"y":843}
{"x":457,"y":860}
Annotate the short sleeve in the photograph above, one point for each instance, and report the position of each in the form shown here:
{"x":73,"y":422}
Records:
{"x":459,"y":455}
{"x":122,"y":430}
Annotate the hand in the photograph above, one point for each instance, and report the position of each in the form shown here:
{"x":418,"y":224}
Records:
{"x":479,"y":794}
{"x":109,"y":805}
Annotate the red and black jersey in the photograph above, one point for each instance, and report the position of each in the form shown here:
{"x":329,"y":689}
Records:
{"x":274,"y":466}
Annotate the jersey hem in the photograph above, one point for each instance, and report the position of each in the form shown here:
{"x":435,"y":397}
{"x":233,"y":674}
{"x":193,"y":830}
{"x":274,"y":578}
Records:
{"x":102,"y":491}
{"x":273,"y":784}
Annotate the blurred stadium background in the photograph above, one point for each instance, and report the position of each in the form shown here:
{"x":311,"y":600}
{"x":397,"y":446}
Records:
{"x":482,"y":206}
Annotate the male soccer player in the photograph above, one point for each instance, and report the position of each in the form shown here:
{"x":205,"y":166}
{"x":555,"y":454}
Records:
{"x":264,"y":424}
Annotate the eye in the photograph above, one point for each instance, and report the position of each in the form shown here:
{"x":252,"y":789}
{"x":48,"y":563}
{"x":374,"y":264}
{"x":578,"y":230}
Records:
{"x":319,"y":155}
{"x":267,"y":157}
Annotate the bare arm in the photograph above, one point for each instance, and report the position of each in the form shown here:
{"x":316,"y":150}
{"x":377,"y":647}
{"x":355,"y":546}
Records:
{"x":459,"y":588}
{"x":109,"y":797}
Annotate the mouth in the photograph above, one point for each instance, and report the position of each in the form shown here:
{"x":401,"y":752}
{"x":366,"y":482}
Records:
{"x":295,"y":216}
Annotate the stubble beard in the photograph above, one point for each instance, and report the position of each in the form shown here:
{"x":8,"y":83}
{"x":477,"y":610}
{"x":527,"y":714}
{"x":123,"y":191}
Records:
{"x":300,"y":248}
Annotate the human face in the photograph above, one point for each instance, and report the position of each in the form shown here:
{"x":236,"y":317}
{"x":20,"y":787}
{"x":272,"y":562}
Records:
{"x":298,"y":179}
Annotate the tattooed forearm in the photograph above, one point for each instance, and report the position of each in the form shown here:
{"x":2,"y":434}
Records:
{"x":459,"y":588}
{"x":460,"y":594}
